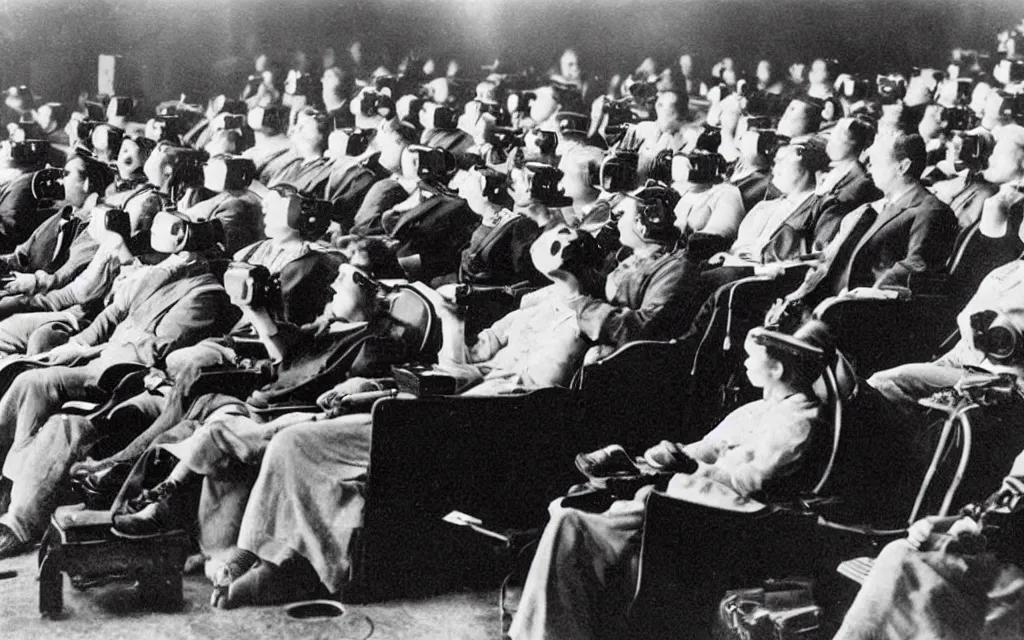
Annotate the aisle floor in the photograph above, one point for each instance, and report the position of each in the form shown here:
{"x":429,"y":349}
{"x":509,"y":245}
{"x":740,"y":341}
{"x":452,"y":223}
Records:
{"x":109,"y":613}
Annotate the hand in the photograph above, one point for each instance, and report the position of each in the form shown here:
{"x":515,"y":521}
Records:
{"x":64,"y":354}
{"x":447,"y":291}
{"x":22,"y":283}
{"x":89,"y":466}
{"x":718,"y":259}
{"x":331,"y":398}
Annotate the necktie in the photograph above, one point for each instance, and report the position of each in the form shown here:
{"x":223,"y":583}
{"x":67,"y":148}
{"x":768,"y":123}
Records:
{"x":64,"y":234}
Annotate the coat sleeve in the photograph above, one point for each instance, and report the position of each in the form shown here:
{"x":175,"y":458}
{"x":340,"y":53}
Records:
{"x":932,"y":234}
{"x":605,"y":323}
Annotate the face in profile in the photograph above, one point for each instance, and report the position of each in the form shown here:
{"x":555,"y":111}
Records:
{"x":75,"y":183}
{"x":158,"y":167}
{"x":1006,"y":162}
{"x":761,"y":368}
{"x":129,"y":159}
{"x":353,"y":293}
{"x":277,"y":210}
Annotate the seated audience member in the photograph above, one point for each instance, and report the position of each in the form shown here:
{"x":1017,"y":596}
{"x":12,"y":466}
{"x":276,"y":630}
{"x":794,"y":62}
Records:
{"x":882,"y":243}
{"x":787,"y":227}
{"x":390,"y":142}
{"x":802,"y":116}
{"x":61,"y":246}
{"x":67,"y":308}
{"x":51,"y":118}
{"x":847,"y":180}
{"x":154,"y":311}
{"x":131,"y":161}
{"x":270,"y":131}
{"x":644,"y":292}
{"x":668,"y":131}
{"x":440,"y":129}
{"x":351,"y":182}
{"x":952,"y":577}
{"x":337,"y":87}
{"x":106,"y":142}
{"x":1000,"y":295}
{"x":584,"y":572}
{"x":304,"y":166}
{"x":234,"y":205}
{"x":356,"y":339}
{"x":964,"y":187}
{"x":753,"y":170}
{"x":499,"y":249}
{"x":1001,"y":213}
{"x":21,"y":210}
{"x":707,"y":202}
{"x":591,"y":210}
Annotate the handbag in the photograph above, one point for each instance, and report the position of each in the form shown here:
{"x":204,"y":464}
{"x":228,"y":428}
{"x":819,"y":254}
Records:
{"x":776,"y":610}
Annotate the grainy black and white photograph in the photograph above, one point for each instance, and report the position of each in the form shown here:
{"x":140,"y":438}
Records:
{"x":512,"y":319}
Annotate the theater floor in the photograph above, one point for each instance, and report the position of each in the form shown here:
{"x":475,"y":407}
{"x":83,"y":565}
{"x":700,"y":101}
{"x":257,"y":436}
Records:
{"x":107,"y":613}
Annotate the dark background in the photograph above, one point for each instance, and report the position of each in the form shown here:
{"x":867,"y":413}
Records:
{"x":201,"y":48}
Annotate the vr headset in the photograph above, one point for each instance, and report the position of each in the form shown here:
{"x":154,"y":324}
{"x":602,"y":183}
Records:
{"x":766,"y":141}
{"x":173,"y":233}
{"x":107,"y":138}
{"x":435,"y":116}
{"x":763,"y":104}
{"x":544,"y":181}
{"x":710,"y":139}
{"x":22,"y":131}
{"x":228,"y":173}
{"x":348,"y":141}
{"x":506,"y":138}
{"x":855,"y":88}
{"x":573,"y":123}
{"x":29,"y":152}
{"x":996,"y":337}
{"x":702,"y":167}
{"x":1011,"y":105}
{"x":313,"y":216}
{"x":960,"y":119}
{"x":252,"y":286}
{"x":272,"y":117}
{"x":114,"y":220}
{"x":223,"y":104}
{"x":544,"y":141}
{"x":48,"y":184}
{"x":562,"y":249}
{"x":373,"y":102}
{"x":436,"y":165}
{"x":618,"y":172}
{"x":519,"y":103}
{"x":891,"y":88}
{"x":163,"y":128}
{"x":233,"y":121}
{"x":119,"y":107}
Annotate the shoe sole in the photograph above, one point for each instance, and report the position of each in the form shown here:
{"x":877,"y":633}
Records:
{"x":144,"y":536}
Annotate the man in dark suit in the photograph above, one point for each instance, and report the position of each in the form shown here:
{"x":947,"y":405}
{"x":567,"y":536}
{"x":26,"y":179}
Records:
{"x":882,"y":243}
{"x":156,"y":310}
{"x":847,"y":180}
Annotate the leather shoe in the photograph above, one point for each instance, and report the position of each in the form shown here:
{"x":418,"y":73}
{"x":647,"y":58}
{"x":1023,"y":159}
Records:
{"x":10,"y":543}
{"x":99,"y":489}
{"x":161,"y":509}
{"x":603,"y":463}
{"x":669,"y":457}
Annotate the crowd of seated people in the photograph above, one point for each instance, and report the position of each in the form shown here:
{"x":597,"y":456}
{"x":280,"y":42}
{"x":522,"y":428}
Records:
{"x":278,"y":236}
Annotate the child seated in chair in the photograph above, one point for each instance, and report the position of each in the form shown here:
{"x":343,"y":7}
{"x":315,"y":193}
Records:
{"x":584,"y":571}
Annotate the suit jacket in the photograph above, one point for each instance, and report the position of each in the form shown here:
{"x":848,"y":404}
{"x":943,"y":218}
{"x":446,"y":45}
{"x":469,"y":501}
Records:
{"x":645,"y":304}
{"x":798,"y":235}
{"x":309,"y":177}
{"x":853,"y":190}
{"x":20,"y":212}
{"x":347,"y":187}
{"x":967,"y":204}
{"x":241,"y":217}
{"x":159,"y":309}
{"x":755,"y":187}
{"x":380,"y":197}
{"x":914,"y":235}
